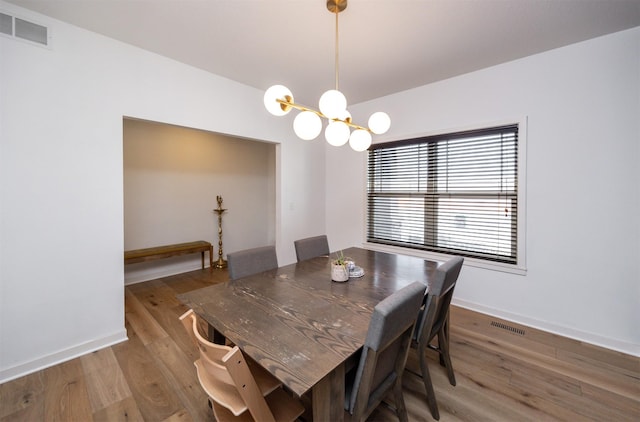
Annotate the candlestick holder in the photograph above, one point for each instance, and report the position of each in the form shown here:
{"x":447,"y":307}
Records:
{"x":220,"y":263}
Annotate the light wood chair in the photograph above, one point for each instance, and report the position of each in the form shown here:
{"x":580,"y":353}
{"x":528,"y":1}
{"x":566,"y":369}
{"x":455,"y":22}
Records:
{"x":432,"y":322}
{"x":251,"y":261}
{"x":384,"y":354}
{"x":311,"y":247}
{"x":238,"y":390}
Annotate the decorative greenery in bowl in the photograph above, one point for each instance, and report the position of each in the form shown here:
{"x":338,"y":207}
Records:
{"x":340,"y":259}
{"x":340,"y":267}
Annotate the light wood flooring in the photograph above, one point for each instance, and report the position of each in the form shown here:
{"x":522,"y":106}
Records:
{"x":505,"y":372}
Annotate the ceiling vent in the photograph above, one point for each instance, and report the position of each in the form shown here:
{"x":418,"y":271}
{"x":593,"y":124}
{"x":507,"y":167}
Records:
{"x":22,"y":29}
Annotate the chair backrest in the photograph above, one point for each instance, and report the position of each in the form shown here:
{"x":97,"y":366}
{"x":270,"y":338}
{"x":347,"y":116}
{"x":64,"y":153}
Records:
{"x":311,"y":247}
{"x":244,"y":393}
{"x":211,"y":351}
{"x":438,"y":299}
{"x":385,"y":350}
{"x":251,"y":261}
{"x":225,"y":376}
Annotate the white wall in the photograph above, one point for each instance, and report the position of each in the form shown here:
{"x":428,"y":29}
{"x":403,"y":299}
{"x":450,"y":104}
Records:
{"x":61,"y":183}
{"x":583,"y":190}
{"x":172,"y":176}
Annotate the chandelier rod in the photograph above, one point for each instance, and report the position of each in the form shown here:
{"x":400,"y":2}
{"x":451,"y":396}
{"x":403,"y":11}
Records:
{"x":337,"y":58}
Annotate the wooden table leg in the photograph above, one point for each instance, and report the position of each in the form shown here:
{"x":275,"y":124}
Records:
{"x":327,"y":397}
{"x":211,"y":256}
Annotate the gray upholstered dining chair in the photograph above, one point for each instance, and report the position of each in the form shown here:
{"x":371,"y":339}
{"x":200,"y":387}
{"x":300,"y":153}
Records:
{"x":311,"y":247}
{"x":433,"y":322}
{"x":384,"y":354}
{"x":251,"y":261}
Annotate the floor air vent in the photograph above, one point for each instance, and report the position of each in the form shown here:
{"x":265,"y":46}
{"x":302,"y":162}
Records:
{"x":22,"y":29}
{"x":502,"y":326}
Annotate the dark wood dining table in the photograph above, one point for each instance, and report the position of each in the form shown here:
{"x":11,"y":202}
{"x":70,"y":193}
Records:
{"x":302,"y":327}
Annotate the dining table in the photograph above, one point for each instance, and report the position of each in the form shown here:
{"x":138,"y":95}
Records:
{"x":303,"y":327}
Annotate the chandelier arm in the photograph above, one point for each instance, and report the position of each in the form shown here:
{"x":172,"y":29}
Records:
{"x":355,"y":126}
{"x":300,"y":107}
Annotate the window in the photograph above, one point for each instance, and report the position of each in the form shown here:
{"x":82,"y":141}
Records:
{"x":455,"y":193}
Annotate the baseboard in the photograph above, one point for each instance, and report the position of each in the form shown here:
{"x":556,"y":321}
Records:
{"x":133,"y":276}
{"x":601,"y":341}
{"x":61,"y":356}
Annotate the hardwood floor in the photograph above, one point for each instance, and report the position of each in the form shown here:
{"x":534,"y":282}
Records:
{"x":504,"y":372}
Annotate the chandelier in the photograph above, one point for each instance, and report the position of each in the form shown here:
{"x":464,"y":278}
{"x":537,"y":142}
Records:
{"x":333,"y":107}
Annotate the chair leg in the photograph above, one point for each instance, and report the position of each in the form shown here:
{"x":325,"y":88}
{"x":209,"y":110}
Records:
{"x":443,"y":343}
{"x":401,"y":408}
{"x":445,"y":327}
{"x":428,"y":386}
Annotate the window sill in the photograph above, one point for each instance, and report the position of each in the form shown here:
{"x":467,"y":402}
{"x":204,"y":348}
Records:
{"x":472,"y":262}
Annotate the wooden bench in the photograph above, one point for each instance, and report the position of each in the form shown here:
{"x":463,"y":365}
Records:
{"x":159,"y":252}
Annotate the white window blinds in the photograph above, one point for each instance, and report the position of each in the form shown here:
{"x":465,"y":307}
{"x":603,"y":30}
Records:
{"x":453,"y":193}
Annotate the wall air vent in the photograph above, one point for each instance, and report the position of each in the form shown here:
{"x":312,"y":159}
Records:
{"x":23,"y":29}
{"x":506,"y":327}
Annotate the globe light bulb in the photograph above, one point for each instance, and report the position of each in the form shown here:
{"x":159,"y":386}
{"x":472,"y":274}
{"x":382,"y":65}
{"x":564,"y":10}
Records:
{"x":379,"y":122}
{"x":337,"y":133}
{"x":307,"y":125}
{"x":277,"y":92}
{"x":360,"y":140}
{"x":333,"y":103}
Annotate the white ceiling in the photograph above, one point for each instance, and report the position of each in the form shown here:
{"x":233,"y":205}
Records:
{"x":386,"y":46}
